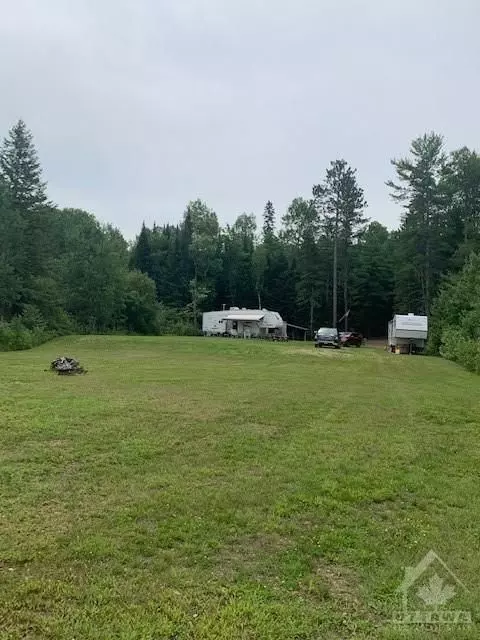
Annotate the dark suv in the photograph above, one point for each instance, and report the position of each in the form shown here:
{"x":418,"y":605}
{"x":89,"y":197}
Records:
{"x":327,"y":337}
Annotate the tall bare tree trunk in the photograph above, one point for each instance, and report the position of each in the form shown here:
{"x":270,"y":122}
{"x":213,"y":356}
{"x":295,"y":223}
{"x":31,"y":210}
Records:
{"x":259,"y":300}
{"x":194,"y":309}
{"x":335,"y":262}
{"x":194,"y":299}
{"x":345,"y":286}
{"x":426,"y":303}
{"x":311,"y":315}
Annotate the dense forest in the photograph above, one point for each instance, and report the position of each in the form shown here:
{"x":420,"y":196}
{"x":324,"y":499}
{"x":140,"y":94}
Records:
{"x":62,"y":271}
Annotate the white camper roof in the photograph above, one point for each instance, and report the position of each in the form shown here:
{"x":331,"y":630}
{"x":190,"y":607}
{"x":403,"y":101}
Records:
{"x":411,"y":322}
{"x":244,"y":316}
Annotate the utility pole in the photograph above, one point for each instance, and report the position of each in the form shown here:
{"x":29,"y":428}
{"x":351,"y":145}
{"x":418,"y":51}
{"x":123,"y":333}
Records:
{"x":335,"y":260}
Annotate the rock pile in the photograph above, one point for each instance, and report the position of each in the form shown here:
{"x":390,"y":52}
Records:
{"x":66,"y":366}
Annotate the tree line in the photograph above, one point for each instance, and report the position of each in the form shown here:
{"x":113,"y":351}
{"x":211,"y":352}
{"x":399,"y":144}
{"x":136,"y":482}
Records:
{"x":323,"y":258}
{"x":320,"y":260}
{"x":60,"y":270}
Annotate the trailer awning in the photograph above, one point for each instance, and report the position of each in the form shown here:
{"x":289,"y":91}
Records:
{"x":254,"y":317}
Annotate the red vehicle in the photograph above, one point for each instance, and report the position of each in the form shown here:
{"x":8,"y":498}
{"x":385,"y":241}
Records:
{"x":351,"y":339}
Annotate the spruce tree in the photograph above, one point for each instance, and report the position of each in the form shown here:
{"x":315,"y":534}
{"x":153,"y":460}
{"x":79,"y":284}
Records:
{"x":141,"y":254}
{"x":268,"y":222}
{"x":20,"y":169}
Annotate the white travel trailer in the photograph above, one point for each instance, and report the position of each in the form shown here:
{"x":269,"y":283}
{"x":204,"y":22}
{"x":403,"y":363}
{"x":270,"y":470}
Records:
{"x":244,"y":323}
{"x":213,"y":323}
{"x":407,"y":333}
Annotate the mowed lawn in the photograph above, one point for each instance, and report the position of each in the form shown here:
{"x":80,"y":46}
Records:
{"x":196,"y":488}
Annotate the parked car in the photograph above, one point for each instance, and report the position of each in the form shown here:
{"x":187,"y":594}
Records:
{"x":327,"y":337}
{"x":351,"y":339}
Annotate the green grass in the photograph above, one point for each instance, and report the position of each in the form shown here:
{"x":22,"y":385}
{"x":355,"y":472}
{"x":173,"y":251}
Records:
{"x":191,"y":488}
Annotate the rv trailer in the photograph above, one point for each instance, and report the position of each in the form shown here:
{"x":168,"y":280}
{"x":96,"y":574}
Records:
{"x":244,"y":323}
{"x":407,"y":333}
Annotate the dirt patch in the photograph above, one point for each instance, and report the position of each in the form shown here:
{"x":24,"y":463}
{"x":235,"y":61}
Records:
{"x":342,"y":587}
{"x":58,"y":443}
{"x":333,"y":582}
{"x":342,"y":584}
{"x":253,"y":555}
{"x":376,"y":343}
{"x":323,"y":353}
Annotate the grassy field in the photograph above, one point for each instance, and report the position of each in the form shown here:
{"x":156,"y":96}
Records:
{"x":191,"y":488}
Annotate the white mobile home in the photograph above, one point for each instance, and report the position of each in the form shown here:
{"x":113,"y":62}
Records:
{"x":407,"y":333}
{"x":244,"y":323}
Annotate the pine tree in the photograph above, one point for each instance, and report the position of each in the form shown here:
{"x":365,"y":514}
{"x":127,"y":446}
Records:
{"x":141,"y":254}
{"x":372,"y":269}
{"x":11,"y":255}
{"x":422,"y":225}
{"x":268,"y":222}
{"x":238,"y":249}
{"x":460,"y":188}
{"x":302,"y":229}
{"x":342,"y":202}
{"x":203,"y":253}
{"x":21,"y":170}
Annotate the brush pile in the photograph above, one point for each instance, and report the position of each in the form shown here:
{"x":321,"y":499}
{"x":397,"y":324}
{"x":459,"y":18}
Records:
{"x":67,"y":366}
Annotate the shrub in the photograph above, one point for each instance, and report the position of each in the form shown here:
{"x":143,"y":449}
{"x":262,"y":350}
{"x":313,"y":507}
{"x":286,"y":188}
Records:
{"x":140,"y":304}
{"x":15,"y":336}
{"x":455,"y":319}
{"x":458,"y":348}
{"x":175,"y":322}
{"x":32,"y":317}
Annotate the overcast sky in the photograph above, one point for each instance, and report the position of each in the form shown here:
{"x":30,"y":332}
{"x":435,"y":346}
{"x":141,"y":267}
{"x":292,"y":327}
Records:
{"x":138,"y":106}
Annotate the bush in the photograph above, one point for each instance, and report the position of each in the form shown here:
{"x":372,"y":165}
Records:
{"x":458,"y":348}
{"x":15,"y":336}
{"x":140,"y":304}
{"x":176,"y":322}
{"x":455,"y":319}
{"x":32,"y":317}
